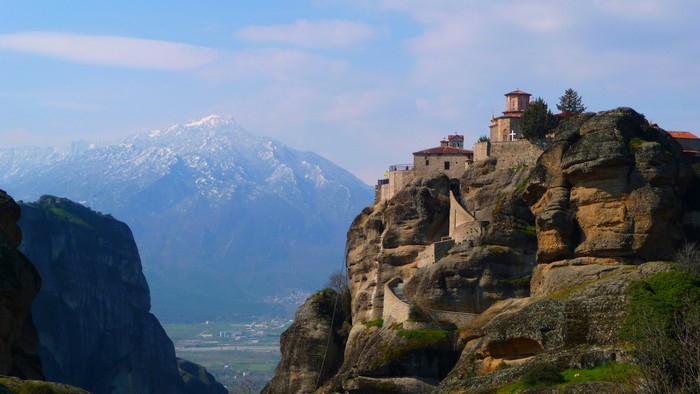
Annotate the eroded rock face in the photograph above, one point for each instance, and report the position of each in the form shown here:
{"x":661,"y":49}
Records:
{"x":92,"y":315}
{"x":493,"y":267}
{"x":611,"y":188}
{"x":578,"y":327}
{"x":385,"y":239}
{"x":603,"y":203}
{"x":471,"y":280}
{"x":308,"y":356}
{"x":19,"y":284}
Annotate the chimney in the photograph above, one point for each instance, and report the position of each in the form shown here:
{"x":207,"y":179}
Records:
{"x":443,"y":143}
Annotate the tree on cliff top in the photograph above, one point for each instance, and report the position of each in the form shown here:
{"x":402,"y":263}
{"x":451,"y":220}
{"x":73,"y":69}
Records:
{"x":571,"y":102}
{"x":537,"y":120}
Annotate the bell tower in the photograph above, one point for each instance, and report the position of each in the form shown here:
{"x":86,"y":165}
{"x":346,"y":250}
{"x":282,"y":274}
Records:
{"x":507,"y":127}
{"x":517,"y":101}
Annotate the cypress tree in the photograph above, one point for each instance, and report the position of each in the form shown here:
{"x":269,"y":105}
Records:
{"x":537,"y":120}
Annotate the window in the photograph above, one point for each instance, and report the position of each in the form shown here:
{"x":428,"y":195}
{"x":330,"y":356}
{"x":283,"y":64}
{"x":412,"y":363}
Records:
{"x":447,"y":165}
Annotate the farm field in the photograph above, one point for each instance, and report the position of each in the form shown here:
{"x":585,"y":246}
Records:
{"x":242,"y":356}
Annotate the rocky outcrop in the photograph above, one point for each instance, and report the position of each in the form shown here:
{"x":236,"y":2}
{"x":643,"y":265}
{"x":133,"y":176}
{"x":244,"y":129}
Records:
{"x":611,"y":188}
{"x":578,"y":327}
{"x":385,"y":239}
{"x":197,"y":379}
{"x":470,"y":280}
{"x":311,"y":349}
{"x":92,"y":315}
{"x":19,"y":284}
{"x":545,"y":280}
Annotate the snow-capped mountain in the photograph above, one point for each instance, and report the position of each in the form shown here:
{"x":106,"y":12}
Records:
{"x":222,"y":218}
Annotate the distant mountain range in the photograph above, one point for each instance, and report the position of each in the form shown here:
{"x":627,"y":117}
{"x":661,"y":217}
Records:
{"x":223,"y":219}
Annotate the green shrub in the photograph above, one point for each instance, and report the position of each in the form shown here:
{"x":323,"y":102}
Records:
{"x":522,"y":281}
{"x":527,"y":230}
{"x":610,"y":372}
{"x":658,"y":298}
{"x":374,"y":323}
{"x":426,"y":336}
{"x":521,"y":185}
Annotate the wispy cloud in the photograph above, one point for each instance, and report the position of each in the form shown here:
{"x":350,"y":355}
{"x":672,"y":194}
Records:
{"x":307,"y":34}
{"x":113,"y":51}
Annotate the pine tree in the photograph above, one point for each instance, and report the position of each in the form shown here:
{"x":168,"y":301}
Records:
{"x":571,"y":102}
{"x":537,"y":120}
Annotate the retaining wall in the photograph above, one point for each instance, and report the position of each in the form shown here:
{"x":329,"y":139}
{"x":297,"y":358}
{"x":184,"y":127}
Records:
{"x":515,"y":153}
{"x":395,"y":310}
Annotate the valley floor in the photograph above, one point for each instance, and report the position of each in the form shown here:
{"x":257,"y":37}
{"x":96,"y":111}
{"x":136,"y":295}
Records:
{"x":242,"y":356}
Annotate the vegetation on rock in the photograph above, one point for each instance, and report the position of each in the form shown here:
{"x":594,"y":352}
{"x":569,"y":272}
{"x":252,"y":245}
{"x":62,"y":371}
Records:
{"x":571,"y":102}
{"x":12,"y":385}
{"x":537,"y":120}
{"x":379,"y":322}
{"x":663,"y":325}
{"x":546,"y":375}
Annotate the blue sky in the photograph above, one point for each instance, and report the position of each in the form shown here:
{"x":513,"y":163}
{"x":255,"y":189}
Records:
{"x":363,"y":82}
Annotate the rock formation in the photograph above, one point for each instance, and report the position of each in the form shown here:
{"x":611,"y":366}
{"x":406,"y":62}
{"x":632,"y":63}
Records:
{"x":19,"y":284}
{"x":310,"y":354}
{"x":92,"y":314}
{"x":544,"y":281}
{"x":609,"y":189}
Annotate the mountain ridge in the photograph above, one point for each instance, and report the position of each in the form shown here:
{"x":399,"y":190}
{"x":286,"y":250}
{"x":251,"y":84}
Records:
{"x":250,"y":207}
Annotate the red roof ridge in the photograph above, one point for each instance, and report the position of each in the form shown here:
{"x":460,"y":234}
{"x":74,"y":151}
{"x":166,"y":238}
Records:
{"x":683,"y":134}
{"x":517,"y":91}
{"x":443,"y":150}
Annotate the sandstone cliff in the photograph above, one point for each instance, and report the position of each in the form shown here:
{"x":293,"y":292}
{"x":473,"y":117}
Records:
{"x":313,"y":345}
{"x":539,"y":276}
{"x":92,"y":314}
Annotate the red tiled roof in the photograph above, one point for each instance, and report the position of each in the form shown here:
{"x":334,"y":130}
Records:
{"x":443,"y":150}
{"x":683,"y":134}
{"x":450,"y":137}
{"x":516,"y":92}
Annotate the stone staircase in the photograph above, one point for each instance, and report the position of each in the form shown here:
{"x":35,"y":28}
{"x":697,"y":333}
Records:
{"x":397,"y":288}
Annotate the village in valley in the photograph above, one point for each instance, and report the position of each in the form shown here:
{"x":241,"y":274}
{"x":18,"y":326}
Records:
{"x":238,"y":354}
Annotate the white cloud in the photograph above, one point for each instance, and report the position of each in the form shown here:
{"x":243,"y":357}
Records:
{"x":304,"y":33}
{"x":110,"y":50}
{"x":274,"y":64}
{"x":356,"y":105}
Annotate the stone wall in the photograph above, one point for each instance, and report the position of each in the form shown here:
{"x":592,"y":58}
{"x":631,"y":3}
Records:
{"x":515,"y":153}
{"x":481,"y":150}
{"x":396,"y":181}
{"x":395,"y":310}
{"x":441,"y":248}
{"x":434,"y":252}
{"x":381,"y":192}
{"x":429,"y":165}
{"x":460,"y":319}
{"x":458,"y":215}
{"x":426,"y":257}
